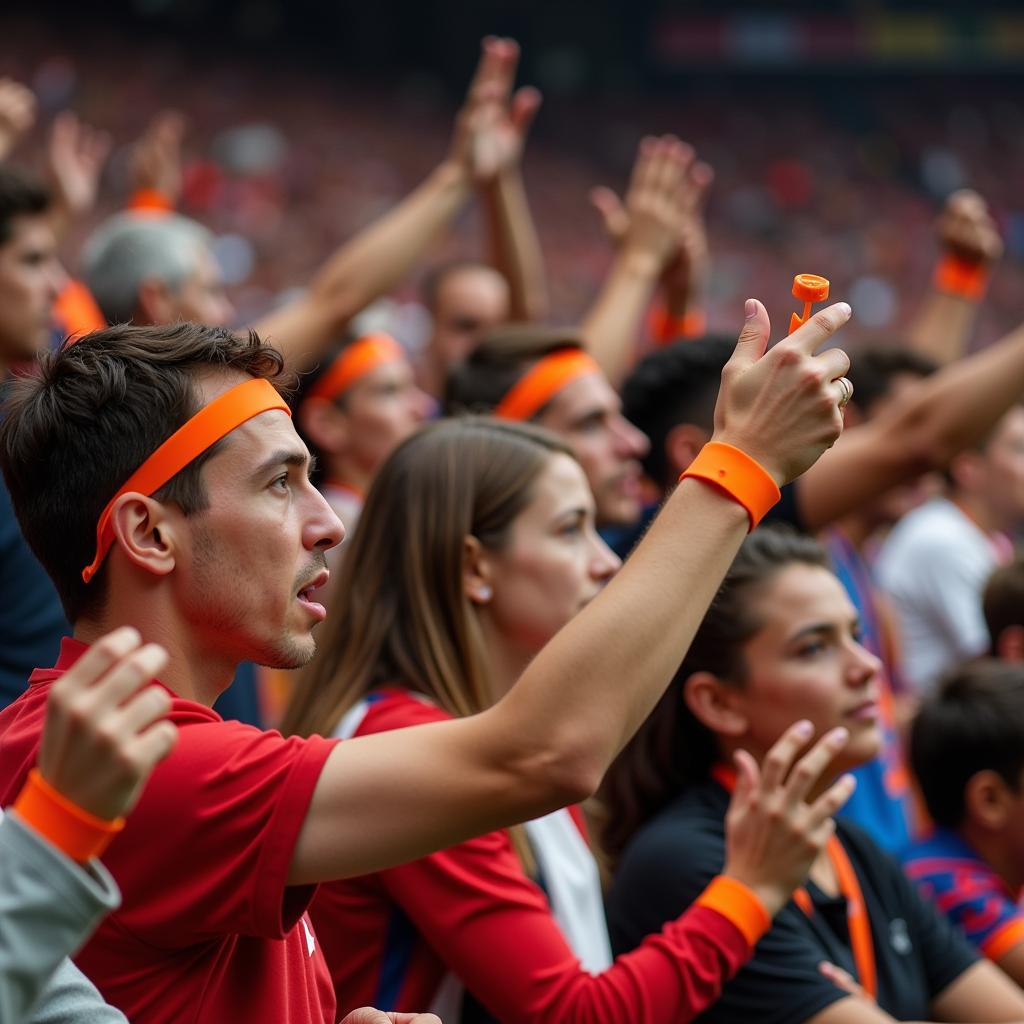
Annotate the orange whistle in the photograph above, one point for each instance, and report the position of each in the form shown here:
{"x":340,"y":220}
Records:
{"x":808,"y":288}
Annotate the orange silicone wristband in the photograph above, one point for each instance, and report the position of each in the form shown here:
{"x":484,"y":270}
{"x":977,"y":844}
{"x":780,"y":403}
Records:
{"x":744,"y":479}
{"x":956,"y":276}
{"x":665,"y":329}
{"x":77,"y":833}
{"x":738,"y":904}
{"x":150,"y":200}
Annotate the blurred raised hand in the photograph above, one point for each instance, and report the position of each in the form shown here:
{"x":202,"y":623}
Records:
{"x":17,"y":114}
{"x":156,"y":157}
{"x":76,"y":155}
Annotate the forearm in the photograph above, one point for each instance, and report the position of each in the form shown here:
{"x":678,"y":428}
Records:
{"x":611,"y":325}
{"x":367,"y":267}
{"x":940,"y":417}
{"x":514,"y":245}
{"x":943,"y":326}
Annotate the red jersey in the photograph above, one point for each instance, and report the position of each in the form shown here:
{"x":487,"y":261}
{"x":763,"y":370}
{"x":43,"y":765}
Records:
{"x":208,"y":931}
{"x":391,"y":938}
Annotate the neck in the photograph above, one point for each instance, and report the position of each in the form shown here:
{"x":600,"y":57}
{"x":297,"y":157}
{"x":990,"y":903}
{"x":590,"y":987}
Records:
{"x":979,"y":512}
{"x":991,"y":848}
{"x":348,"y":473}
{"x":195,"y":671}
{"x":504,"y":663}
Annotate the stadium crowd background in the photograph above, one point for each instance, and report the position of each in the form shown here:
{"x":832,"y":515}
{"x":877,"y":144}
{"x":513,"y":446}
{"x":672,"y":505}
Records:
{"x":833,"y":143}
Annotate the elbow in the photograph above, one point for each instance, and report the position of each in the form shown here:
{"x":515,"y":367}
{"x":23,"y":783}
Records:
{"x":568,"y":774}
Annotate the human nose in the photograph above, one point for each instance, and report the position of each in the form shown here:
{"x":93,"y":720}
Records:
{"x":323,"y":527}
{"x":632,"y":442}
{"x":604,"y":563}
{"x":864,"y":665}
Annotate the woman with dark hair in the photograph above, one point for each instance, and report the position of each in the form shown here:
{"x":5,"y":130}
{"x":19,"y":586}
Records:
{"x":477,"y":544}
{"x":857,"y":945}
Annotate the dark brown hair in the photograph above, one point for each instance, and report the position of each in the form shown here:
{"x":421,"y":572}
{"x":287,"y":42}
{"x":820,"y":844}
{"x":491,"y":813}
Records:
{"x":1003,"y":599}
{"x":974,"y":721}
{"x":20,"y":196}
{"x":74,"y":431}
{"x":672,"y":749}
{"x":504,"y":354}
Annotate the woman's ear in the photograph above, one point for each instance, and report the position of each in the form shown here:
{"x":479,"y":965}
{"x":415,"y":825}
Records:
{"x":147,"y":532}
{"x":715,"y":704}
{"x":988,"y":800}
{"x":477,"y":576}
{"x":324,"y":424}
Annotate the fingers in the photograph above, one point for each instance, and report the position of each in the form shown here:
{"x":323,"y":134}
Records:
{"x":124,"y":679}
{"x":613,"y":213}
{"x":753,"y":340}
{"x":833,"y":799}
{"x":99,"y":659}
{"x":809,"y":769}
{"x":525,"y":104}
{"x":142,"y":710}
{"x":778,"y":760}
{"x":833,"y":363}
{"x":840,"y":978}
{"x":820,"y":327}
{"x":149,"y":749}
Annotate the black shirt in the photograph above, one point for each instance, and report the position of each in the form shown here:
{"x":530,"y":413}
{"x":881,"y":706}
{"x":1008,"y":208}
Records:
{"x":675,"y":855}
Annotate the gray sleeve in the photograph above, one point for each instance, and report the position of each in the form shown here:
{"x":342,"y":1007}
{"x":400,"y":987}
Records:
{"x":69,"y":997}
{"x":48,"y":908}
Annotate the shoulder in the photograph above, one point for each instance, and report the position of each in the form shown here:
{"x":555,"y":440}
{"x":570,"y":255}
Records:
{"x":395,"y":707}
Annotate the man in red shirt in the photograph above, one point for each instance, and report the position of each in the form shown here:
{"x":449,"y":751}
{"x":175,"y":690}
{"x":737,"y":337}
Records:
{"x":157,"y":476}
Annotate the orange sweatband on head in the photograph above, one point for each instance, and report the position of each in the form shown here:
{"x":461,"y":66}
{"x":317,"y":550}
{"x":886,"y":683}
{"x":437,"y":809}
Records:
{"x":744,"y":479}
{"x":956,"y":276}
{"x":356,"y":361}
{"x":203,"y":430}
{"x":543,"y":381}
{"x":74,"y":831}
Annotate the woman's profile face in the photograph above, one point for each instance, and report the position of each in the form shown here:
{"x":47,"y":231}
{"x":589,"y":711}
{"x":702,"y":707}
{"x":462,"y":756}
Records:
{"x":806,"y":662}
{"x":553,"y":563}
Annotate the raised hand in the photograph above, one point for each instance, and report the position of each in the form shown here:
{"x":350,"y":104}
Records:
{"x":782,"y":406}
{"x":105,"y":729}
{"x":772,"y":833}
{"x":491,"y":127}
{"x":17,"y":113}
{"x":76,"y":155}
{"x":156,"y":156}
{"x":966,"y":229}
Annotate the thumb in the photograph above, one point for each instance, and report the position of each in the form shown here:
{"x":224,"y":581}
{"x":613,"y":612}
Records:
{"x":613,"y":213}
{"x":753,"y":340}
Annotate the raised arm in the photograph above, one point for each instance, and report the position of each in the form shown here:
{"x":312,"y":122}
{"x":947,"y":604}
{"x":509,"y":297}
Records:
{"x":940,"y":417}
{"x":647,"y":227}
{"x":76,"y":155}
{"x":513,"y":242}
{"x":17,"y":114}
{"x":392,"y":797}
{"x":969,"y":247}
{"x":373,"y":262}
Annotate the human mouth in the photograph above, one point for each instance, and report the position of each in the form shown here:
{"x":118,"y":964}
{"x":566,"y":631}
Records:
{"x":305,"y":598}
{"x":866,"y":711}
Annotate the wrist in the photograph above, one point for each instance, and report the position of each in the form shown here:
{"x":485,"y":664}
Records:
{"x":73,"y":830}
{"x":740,"y":476}
{"x":639,"y":261}
{"x":452,"y":174}
{"x":965,"y":279}
{"x":741,"y":904}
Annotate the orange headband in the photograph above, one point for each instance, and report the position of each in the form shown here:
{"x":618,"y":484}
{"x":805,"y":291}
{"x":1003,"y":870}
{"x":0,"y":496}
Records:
{"x":543,"y":381}
{"x":356,"y":361}
{"x":188,"y":442}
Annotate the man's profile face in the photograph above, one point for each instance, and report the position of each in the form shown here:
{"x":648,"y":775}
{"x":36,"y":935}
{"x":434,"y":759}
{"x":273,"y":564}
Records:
{"x":202,"y":298}
{"x":250,"y":558}
{"x":30,"y":280}
{"x":588,"y":415}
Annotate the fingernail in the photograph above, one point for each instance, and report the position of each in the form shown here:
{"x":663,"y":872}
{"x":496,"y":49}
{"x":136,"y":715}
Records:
{"x":845,"y":308}
{"x":750,"y":308}
{"x":839,"y":736}
{"x":803,"y":729}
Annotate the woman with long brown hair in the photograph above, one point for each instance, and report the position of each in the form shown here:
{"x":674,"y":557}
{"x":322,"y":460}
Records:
{"x":857,"y":945}
{"x":476,"y":545}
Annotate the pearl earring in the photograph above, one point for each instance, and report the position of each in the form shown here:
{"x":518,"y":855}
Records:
{"x":485,"y":593}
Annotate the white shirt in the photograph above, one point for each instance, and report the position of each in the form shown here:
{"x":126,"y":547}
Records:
{"x":934,"y":566}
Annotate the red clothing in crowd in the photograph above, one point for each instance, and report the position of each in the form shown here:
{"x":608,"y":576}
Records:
{"x":390,"y":938}
{"x":208,"y":931}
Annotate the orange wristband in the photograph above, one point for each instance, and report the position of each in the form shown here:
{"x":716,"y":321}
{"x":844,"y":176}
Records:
{"x":734,"y":901}
{"x":744,"y":479}
{"x":665,"y":329}
{"x":956,"y":276}
{"x":150,"y":200}
{"x":75,"y":832}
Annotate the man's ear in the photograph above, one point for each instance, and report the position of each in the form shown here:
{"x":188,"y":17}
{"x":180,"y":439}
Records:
{"x":988,"y":800}
{"x":715,"y":704}
{"x":324,"y":424}
{"x":147,"y":532}
{"x":477,"y":574}
{"x":682,"y":444}
{"x":156,"y":303}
